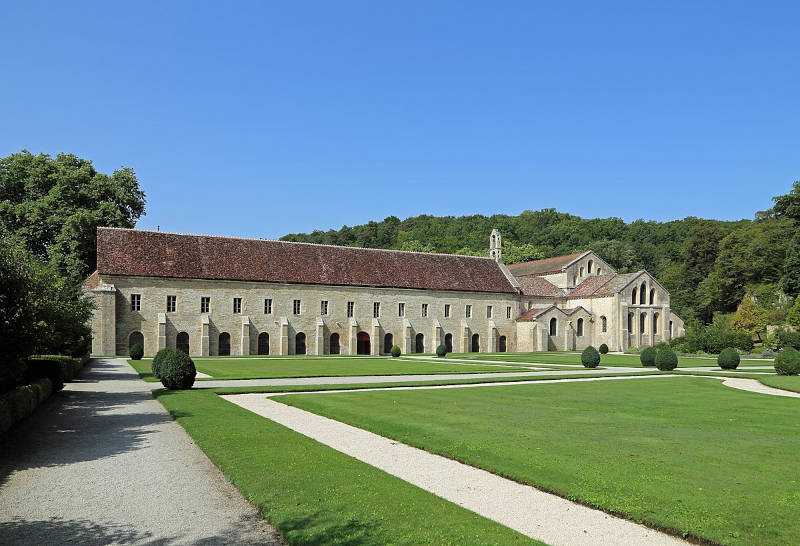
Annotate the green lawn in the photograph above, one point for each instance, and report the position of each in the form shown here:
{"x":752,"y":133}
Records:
{"x":315,"y":495}
{"x":686,"y":454}
{"x":575,"y":358}
{"x":319,"y":367}
{"x":786,"y":382}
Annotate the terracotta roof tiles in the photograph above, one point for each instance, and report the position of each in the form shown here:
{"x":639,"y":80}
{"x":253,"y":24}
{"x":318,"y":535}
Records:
{"x":547,"y":265}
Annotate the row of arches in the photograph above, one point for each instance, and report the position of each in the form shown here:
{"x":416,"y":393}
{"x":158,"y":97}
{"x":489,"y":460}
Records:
{"x":578,"y":326}
{"x":655,"y":323}
{"x":641,"y":292}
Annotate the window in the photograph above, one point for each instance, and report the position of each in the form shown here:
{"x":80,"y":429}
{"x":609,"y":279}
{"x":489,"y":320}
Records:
{"x":267,"y":306}
{"x":376,"y":309}
{"x":323,"y":307}
{"x":488,"y":311}
{"x":589,"y":267}
{"x":136,"y":302}
{"x":350,"y":306}
{"x":424,"y":310}
{"x":599,"y":271}
{"x":603,"y":324}
{"x":642,"y":322}
{"x":652,"y":295}
{"x":553,"y":326}
{"x":171,"y":303}
{"x":205,"y":304}
{"x":401,"y":309}
{"x":580,"y":327}
{"x":296,"y":308}
{"x":508,"y":312}
{"x":237,"y":305}
{"x":643,"y":294}
{"x":468,"y":311}
{"x":633,"y":297}
{"x":446,"y":310}
{"x":581,"y":272}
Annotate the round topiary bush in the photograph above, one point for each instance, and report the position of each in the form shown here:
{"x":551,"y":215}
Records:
{"x":648,"y":356}
{"x":395,"y":350}
{"x":156,"y":365}
{"x":137,"y":352}
{"x":728,"y":359}
{"x":177,"y":370}
{"x":590,"y":357}
{"x":787,"y":362}
{"x":441,"y":351}
{"x":666,"y":359}
{"x":603,"y":349}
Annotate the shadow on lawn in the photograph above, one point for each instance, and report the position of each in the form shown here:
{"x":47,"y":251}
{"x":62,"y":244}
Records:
{"x":314,"y":530}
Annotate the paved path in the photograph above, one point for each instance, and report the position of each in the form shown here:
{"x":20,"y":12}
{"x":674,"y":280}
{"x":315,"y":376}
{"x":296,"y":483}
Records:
{"x":102,"y":462}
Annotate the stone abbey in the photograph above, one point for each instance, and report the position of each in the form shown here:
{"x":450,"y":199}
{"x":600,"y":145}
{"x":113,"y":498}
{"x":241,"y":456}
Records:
{"x":211,"y":295}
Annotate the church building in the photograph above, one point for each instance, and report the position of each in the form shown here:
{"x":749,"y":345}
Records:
{"x":209,"y":296}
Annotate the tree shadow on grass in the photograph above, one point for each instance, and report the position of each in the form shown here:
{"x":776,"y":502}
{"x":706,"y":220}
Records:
{"x":313,"y":529}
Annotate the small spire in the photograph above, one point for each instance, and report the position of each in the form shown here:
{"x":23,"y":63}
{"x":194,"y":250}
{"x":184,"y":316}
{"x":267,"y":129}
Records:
{"x":496,"y":246}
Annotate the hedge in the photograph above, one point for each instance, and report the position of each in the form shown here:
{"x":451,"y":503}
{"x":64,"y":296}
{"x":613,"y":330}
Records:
{"x":17,"y":404}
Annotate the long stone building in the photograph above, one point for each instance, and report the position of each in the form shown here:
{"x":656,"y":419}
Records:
{"x":212,"y":295}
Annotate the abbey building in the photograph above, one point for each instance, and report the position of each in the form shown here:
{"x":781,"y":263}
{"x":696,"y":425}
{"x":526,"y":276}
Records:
{"x":226,"y":296}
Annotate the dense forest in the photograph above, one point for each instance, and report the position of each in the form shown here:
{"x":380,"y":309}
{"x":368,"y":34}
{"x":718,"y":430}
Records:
{"x":708,"y":266}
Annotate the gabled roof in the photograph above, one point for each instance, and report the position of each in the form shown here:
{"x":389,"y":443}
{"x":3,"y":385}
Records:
{"x":547,"y":265}
{"x":531,"y":285}
{"x":535,"y":312}
{"x":591,"y":285}
{"x":133,"y":252}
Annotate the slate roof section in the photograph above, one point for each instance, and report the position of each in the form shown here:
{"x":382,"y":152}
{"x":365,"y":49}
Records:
{"x":532,"y":285}
{"x":142,"y":253}
{"x":545,"y":266}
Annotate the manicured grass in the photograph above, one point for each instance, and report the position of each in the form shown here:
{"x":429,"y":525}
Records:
{"x":786,"y":382}
{"x":575,"y":358}
{"x":686,"y":454}
{"x":315,"y":495}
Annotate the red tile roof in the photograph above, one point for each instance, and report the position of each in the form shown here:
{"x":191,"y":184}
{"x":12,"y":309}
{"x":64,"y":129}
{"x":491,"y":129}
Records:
{"x":590,"y":286}
{"x":133,"y":252}
{"x":531,"y":314}
{"x":537,"y":286}
{"x":547,"y":265}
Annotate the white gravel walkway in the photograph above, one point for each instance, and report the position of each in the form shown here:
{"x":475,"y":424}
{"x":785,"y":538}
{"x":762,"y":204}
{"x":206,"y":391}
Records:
{"x":102,"y":462}
{"x":756,"y":386}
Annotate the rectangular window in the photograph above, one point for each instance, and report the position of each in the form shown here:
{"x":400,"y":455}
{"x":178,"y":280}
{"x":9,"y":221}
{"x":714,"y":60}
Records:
{"x":376,"y":309}
{"x":323,"y":307}
{"x":424,"y":309}
{"x":205,"y":304}
{"x":136,"y":302}
{"x":446,"y":310}
{"x":488,"y":311}
{"x":267,"y":306}
{"x":350,"y":307}
{"x":237,"y":305}
{"x":508,"y":312}
{"x":468,"y":311}
{"x":401,"y":309}
{"x":171,"y":303}
{"x":296,"y":307}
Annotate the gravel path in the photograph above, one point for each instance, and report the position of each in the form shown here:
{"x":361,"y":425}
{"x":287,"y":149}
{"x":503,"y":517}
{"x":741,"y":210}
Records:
{"x":102,"y":462}
{"x":756,"y":386}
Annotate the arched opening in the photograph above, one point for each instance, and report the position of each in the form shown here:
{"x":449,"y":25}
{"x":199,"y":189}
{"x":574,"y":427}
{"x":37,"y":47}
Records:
{"x":589,"y":267}
{"x":633,"y":297}
{"x":448,"y":342}
{"x":263,"y":343}
{"x":501,"y":344}
{"x":630,"y":323}
{"x":388,"y":342}
{"x":599,"y":271}
{"x":581,"y":272}
{"x":643,"y":294}
{"x":655,"y":323}
{"x":670,"y":329}
{"x":136,"y":338}
{"x":553,"y":326}
{"x":574,"y":280}
{"x":642,"y":322}
{"x":652,"y":296}
{"x":419,"y":343}
{"x":476,"y":343}
{"x":580,"y":327}
{"x":603,"y":324}
{"x":300,"y":343}
{"x":182,"y":342}
{"x":224,"y":346}
{"x":362,"y":343}
{"x":334,"y":344}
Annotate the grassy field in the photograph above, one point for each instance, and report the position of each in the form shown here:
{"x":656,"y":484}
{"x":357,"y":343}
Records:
{"x":575,"y":358}
{"x":315,"y":495}
{"x":319,"y":367}
{"x":786,"y":382}
{"x":685,"y":454}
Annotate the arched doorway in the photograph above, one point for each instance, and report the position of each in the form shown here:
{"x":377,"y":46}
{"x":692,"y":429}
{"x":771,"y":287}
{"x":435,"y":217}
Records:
{"x":388,"y":341}
{"x":136,"y":338}
{"x":362,"y":343}
{"x":335,"y":344}
{"x":448,"y":342}
{"x":419,"y":345}
{"x":182,"y":342}
{"x":300,"y":343}
{"x":263,"y":343}
{"x":224,"y":347}
{"x":501,"y":344}
{"x":476,"y":343}
{"x":553,"y":326}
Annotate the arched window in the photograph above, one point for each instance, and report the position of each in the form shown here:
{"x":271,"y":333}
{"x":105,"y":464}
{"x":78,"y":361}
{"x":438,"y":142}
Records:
{"x":599,"y":271}
{"x":388,"y":341}
{"x":642,"y":322}
{"x":633,"y":297}
{"x":263,"y":343}
{"x":224,"y":346}
{"x":335,"y":344}
{"x":419,"y":345}
{"x":630,"y":323}
{"x":363,"y":346}
{"x":574,"y":280}
{"x":182,"y":342}
{"x":553,"y":326}
{"x":580,"y":327}
{"x":448,"y":342}
{"x":670,"y":329}
{"x":501,"y":344}
{"x":589,"y":267}
{"x":652,"y":296}
{"x":655,"y":323}
{"x":300,"y":343}
{"x":581,"y":272}
{"x":603,"y":324}
{"x":643,"y":294}
{"x":476,"y":343}
{"x":136,"y":338}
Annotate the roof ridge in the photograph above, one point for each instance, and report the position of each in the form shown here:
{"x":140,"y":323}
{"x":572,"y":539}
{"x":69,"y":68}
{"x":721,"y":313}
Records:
{"x":576,"y":255}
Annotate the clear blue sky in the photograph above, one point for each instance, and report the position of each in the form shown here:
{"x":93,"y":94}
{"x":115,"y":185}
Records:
{"x":260,"y":119}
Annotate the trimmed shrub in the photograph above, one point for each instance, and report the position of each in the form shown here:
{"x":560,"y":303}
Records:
{"x":19,"y":403}
{"x":666,"y":359}
{"x":441,"y":351}
{"x":177,"y":370}
{"x":632,"y":351}
{"x":590,"y":358}
{"x":788,"y":339}
{"x":787,"y":362}
{"x":137,"y":352}
{"x":603,"y":349}
{"x":53,"y":369}
{"x":648,"y":356}
{"x":157,"y":360}
{"x":395,"y":351}
{"x":728,"y":359}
